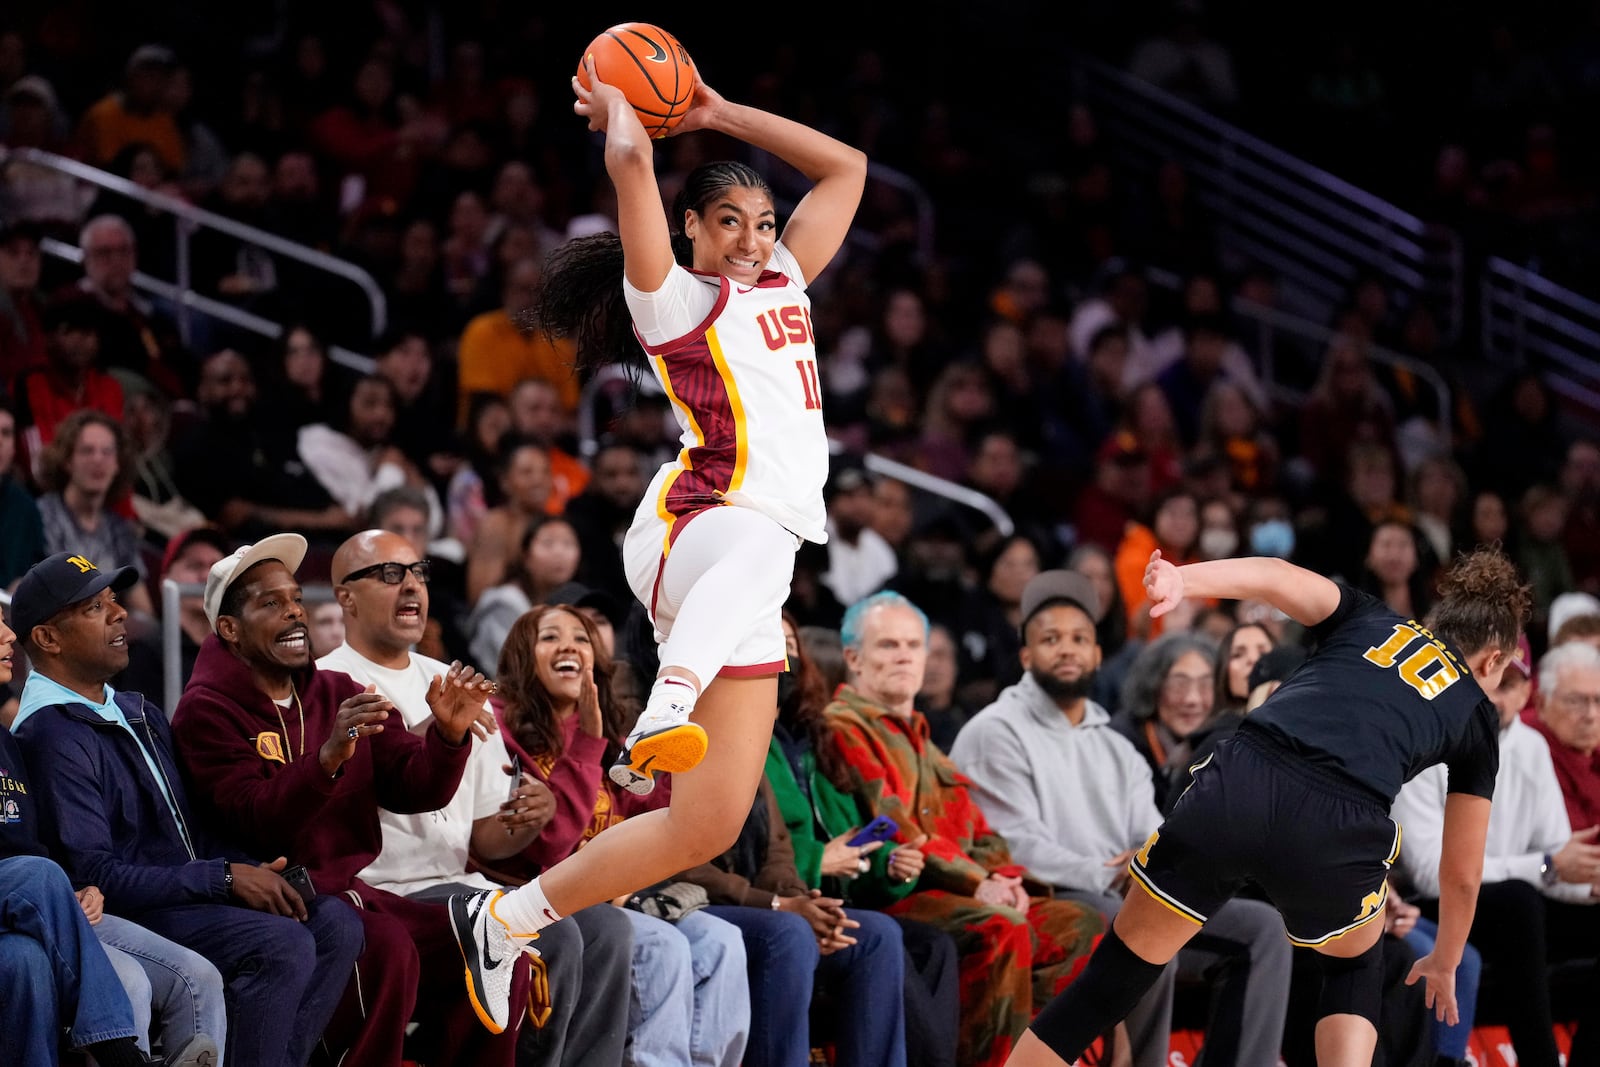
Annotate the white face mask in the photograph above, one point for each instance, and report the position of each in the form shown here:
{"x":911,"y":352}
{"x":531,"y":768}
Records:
{"x":1218,"y":542}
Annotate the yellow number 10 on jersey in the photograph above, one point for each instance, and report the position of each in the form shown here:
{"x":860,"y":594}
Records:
{"x":1430,"y":670}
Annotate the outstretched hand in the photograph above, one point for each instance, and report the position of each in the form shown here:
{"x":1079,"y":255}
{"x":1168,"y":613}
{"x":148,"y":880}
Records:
{"x":1440,"y":985}
{"x":456,"y":700}
{"x":1163,"y":585}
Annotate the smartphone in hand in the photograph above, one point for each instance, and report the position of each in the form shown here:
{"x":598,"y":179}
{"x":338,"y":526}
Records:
{"x":880,"y":829}
{"x":300,"y":881}
{"x":516,"y":775}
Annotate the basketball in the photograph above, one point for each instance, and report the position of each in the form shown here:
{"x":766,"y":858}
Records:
{"x":651,"y":68}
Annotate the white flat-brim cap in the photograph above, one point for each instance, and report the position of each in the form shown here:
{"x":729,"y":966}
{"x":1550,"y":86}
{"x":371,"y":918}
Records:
{"x":287,"y":548}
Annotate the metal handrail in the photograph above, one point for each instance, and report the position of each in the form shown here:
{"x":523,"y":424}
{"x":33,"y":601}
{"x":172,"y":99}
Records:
{"x":194,"y":217}
{"x":1272,"y":321}
{"x":1311,"y":227}
{"x":921,"y":202}
{"x":1268,"y":322}
{"x":951,"y":491}
{"x":919,"y":198}
{"x":588,"y":445}
{"x":212,"y":308}
{"x":1528,"y":321}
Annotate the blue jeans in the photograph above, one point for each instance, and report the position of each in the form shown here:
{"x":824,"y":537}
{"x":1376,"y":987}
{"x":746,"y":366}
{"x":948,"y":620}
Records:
{"x":283,"y":978}
{"x":868,"y":979}
{"x":1451,"y":1040}
{"x":52,"y":964}
{"x":691,"y":1000}
{"x":166,"y":983}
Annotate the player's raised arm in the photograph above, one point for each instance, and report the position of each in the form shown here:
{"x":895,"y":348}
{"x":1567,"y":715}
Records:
{"x":1304,"y":596}
{"x":837,"y":171}
{"x":630,"y":163}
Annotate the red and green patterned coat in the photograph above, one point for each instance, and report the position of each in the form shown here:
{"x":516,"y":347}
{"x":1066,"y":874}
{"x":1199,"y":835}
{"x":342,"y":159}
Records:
{"x":897,"y":771}
{"x":1012,"y":962}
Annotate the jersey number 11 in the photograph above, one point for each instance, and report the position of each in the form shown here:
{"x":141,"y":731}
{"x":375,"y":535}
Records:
{"x":809,"y":384}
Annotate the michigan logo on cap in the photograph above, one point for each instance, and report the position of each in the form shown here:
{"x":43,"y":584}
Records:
{"x":270,"y":747}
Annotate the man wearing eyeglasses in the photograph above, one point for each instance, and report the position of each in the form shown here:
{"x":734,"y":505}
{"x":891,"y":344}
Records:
{"x":1569,"y":718}
{"x":297,"y":762}
{"x":384,"y":593}
{"x":1541,"y":881}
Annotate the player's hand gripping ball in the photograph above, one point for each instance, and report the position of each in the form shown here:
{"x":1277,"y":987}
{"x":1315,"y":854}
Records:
{"x":651,"y":68}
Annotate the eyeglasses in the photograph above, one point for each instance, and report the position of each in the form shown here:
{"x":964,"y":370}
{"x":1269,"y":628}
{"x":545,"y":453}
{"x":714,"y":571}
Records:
{"x":393,"y":573}
{"x":1179,"y":684}
{"x":1579,"y":701}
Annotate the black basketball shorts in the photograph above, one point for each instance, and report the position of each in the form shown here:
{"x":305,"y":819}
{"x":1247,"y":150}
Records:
{"x":1318,"y":845}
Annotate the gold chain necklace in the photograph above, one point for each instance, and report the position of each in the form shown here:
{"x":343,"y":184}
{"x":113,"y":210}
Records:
{"x":300,"y":709}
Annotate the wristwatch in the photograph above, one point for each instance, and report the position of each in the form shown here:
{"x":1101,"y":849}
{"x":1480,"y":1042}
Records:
{"x":1547,"y":870}
{"x":227,"y":878}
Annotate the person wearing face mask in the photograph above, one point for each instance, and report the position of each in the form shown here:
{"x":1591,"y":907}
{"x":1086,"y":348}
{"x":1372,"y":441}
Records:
{"x":1219,"y":531}
{"x":1272,"y":537}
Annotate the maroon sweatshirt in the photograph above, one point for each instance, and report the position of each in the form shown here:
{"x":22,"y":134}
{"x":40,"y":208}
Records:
{"x":276,"y":801}
{"x":586,"y":800}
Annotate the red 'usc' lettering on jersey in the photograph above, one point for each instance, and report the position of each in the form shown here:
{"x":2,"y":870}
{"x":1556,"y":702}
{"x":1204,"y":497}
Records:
{"x":789,"y":325}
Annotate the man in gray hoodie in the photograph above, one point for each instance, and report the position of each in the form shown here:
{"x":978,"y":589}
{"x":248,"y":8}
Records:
{"x":1075,"y":799}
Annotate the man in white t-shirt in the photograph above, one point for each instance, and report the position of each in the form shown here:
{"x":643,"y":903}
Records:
{"x":383,"y":591}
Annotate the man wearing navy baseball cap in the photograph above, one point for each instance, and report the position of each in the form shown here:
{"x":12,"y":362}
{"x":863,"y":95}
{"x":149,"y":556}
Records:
{"x":57,"y":583}
{"x":64,"y":978}
{"x":118,"y":816}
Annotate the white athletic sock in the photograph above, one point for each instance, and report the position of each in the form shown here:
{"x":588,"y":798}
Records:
{"x":670,"y":703}
{"x":525,"y":911}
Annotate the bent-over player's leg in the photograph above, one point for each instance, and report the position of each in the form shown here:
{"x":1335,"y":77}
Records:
{"x":1144,"y":937}
{"x":709,"y":806}
{"x":717,"y":597}
{"x":1352,"y":991}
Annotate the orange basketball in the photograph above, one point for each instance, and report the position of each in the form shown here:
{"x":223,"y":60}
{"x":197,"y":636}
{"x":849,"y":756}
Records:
{"x":651,"y":68}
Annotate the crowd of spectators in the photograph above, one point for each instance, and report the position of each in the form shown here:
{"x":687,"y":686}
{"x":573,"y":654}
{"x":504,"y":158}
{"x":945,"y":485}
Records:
{"x":1027,"y":355}
{"x":1474,"y":116}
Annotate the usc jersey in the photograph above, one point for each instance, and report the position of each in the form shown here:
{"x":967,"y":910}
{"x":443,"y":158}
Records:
{"x":743,"y":384}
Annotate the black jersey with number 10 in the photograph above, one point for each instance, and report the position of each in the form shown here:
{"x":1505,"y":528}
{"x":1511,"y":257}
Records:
{"x":1380,"y":699}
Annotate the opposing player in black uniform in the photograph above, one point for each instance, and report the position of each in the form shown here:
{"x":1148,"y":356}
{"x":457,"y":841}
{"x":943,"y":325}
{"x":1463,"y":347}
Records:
{"x":1297,"y":802}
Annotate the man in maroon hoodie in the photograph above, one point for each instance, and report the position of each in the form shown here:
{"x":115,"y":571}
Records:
{"x":299,"y":760}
